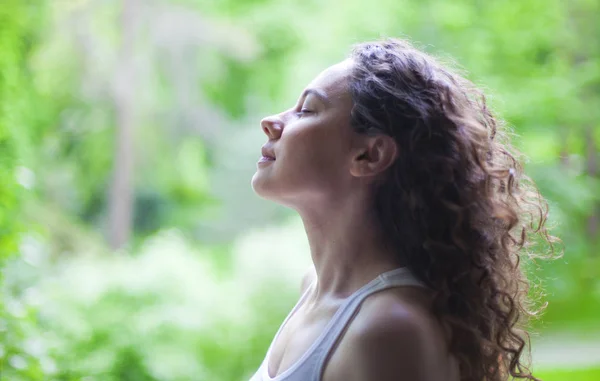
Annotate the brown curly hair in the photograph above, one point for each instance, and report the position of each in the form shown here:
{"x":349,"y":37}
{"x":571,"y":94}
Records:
{"x":455,"y":204}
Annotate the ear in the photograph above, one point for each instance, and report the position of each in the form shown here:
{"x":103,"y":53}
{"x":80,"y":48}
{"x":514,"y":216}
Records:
{"x":374,"y":154}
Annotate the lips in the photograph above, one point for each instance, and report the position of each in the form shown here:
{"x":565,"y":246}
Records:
{"x":267,"y":154}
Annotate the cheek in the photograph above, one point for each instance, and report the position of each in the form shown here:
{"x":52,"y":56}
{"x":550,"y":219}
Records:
{"x":313,"y":156}
{"x":310,"y":147}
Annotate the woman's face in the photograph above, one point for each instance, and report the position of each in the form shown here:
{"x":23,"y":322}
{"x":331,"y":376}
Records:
{"x":309,"y":148}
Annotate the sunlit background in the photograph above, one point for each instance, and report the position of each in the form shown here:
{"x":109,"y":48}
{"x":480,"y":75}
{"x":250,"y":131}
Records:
{"x":132,"y":247}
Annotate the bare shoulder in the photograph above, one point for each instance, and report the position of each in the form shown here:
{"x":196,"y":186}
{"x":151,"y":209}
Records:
{"x":392,"y":338}
{"x":309,"y":277}
{"x":393,"y":311}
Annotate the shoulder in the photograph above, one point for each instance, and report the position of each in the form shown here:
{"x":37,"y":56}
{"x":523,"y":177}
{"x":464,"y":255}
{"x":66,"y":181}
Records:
{"x":392,"y":338}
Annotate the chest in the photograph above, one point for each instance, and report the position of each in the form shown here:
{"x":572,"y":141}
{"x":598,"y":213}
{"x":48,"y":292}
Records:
{"x":297,"y":336}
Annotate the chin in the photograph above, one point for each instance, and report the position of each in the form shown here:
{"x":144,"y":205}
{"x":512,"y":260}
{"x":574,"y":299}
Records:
{"x":260,"y":185}
{"x":265,"y":187}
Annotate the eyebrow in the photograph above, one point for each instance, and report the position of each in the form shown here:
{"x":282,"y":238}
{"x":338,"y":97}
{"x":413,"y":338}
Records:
{"x":318,"y":93}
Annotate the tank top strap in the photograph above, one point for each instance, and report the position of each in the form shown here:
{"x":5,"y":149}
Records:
{"x":292,"y":312}
{"x":394,"y":278}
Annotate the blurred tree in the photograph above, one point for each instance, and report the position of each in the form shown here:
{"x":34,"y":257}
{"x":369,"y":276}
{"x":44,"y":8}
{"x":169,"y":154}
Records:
{"x":584,"y":60}
{"x":132,"y":95}
{"x":120,"y":206}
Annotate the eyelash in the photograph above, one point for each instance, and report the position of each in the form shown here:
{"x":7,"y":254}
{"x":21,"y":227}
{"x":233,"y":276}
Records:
{"x":302,"y":112}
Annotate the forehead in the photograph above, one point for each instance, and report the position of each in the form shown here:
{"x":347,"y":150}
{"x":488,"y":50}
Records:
{"x":333,"y":81}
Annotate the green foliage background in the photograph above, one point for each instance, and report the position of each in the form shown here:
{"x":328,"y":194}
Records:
{"x":190,"y":297}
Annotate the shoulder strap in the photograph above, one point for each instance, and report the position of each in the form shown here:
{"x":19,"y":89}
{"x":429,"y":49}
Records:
{"x":292,"y":312}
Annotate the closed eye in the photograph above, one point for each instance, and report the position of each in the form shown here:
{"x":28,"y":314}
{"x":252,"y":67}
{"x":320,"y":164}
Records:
{"x":303,"y":112}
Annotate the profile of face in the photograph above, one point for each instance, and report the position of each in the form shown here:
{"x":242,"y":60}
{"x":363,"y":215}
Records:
{"x":313,"y":155}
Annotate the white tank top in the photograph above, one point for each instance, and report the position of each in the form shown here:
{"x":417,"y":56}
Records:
{"x":310,"y":366}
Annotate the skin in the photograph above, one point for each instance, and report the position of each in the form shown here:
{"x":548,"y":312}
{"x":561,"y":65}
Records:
{"x":326,"y":172}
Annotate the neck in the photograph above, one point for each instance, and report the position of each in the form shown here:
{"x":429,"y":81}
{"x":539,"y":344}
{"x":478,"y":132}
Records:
{"x":347,"y":247}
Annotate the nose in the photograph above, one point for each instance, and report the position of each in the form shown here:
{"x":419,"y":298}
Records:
{"x":272,"y":126}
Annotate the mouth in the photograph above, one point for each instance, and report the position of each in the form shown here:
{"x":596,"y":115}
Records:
{"x":267,"y":155}
{"x":266,"y":159}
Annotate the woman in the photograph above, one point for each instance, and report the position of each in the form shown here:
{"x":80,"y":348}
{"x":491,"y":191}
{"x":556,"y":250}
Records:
{"x":416,"y":212}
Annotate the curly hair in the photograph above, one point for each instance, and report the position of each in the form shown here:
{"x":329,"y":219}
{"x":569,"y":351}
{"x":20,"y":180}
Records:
{"x":455,"y":204}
